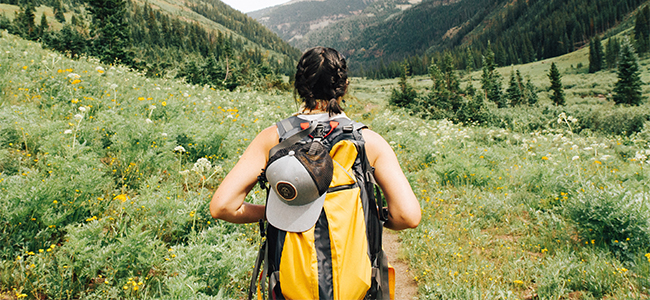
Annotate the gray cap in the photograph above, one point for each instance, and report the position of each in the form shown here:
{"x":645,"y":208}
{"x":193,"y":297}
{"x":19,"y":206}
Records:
{"x":294,"y":202}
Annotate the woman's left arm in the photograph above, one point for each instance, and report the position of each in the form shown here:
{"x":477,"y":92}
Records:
{"x":228,"y":201}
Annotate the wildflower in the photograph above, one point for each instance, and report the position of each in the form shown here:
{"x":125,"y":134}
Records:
{"x":113,"y":86}
{"x":218,"y":169}
{"x":82,"y":109}
{"x":78,"y":117}
{"x":148,"y":121}
{"x":648,"y":256}
{"x":121,"y":197}
{"x":164,"y":103}
{"x":75,"y":81}
{"x":152,"y":107}
{"x":68,"y":131}
{"x":141,"y":98}
{"x":575,"y":158}
{"x":179,"y":149}
{"x":518,"y":282}
{"x":202,"y":164}
{"x":99,"y":70}
{"x":544,"y":158}
{"x":605,"y":157}
{"x":164,"y":134}
{"x":184,"y":172}
{"x":73,"y":76}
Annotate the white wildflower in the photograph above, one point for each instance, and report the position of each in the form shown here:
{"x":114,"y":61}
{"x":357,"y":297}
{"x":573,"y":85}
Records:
{"x":74,"y":76}
{"x":179,"y":149}
{"x":82,"y":108}
{"x":152,"y":107}
{"x":605,"y":157}
{"x":69,"y":131}
{"x":218,"y":169}
{"x":78,"y":117}
{"x":201,"y":165}
{"x":148,"y":121}
{"x":113,"y":86}
{"x":184,"y":172}
{"x":588,"y":148}
{"x":99,"y":69}
{"x":575,"y":158}
{"x":164,"y":134}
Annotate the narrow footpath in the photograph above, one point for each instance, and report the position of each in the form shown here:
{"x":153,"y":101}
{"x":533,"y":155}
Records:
{"x":405,"y":287}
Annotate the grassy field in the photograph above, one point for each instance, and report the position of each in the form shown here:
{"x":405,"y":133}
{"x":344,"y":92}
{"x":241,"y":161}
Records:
{"x":101,"y":203}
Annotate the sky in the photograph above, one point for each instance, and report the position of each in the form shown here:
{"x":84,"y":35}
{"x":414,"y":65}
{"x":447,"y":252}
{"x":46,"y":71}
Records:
{"x":252,"y":5}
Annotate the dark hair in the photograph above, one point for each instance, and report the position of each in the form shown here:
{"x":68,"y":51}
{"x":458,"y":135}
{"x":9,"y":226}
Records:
{"x":322,"y":74}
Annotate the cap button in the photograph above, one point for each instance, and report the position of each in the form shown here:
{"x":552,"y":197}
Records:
{"x":291,"y":153}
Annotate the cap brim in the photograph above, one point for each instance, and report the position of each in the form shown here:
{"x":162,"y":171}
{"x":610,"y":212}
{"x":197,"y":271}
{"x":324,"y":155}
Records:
{"x":293,"y":218}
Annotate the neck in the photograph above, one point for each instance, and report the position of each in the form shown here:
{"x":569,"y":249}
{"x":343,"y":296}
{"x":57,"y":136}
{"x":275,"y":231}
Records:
{"x":321,"y":108}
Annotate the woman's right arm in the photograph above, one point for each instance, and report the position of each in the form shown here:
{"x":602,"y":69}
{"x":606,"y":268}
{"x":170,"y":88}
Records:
{"x":403,"y":207}
{"x":228,"y":201}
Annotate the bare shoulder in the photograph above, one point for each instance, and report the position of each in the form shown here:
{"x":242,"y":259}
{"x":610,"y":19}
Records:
{"x":265,"y":140}
{"x":376,"y":145}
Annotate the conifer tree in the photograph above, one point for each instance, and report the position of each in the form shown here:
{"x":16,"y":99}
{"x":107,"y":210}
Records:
{"x":514,"y":91}
{"x":404,"y":96}
{"x":530,"y":93}
{"x":595,"y":55}
{"x":58,"y":11}
{"x":642,"y":31}
{"x":556,"y":86}
{"x":111,"y":34}
{"x":43,"y":27}
{"x":491,"y":80}
{"x":24,"y":24}
{"x":628,"y":87}
{"x":613,"y":49}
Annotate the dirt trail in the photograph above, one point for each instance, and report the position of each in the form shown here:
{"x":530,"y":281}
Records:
{"x":405,"y":287}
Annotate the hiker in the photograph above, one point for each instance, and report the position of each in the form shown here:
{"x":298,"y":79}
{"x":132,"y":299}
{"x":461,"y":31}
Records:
{"x":321,"y":81}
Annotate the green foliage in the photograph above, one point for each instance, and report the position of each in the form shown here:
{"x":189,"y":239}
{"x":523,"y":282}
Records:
{"x":491,"y":81}
{"x":642,"y":30}
{"x":596,"y":56}
{"x":515,"y":91}
{"x":24,"y":24}
{"x":555,"y":77}
{"x":112,"y":40}
{"x":628,"y":87}
{"x":404,"y":96}
{"x":98,"y":203}
{"x":615,"y":220}
{"x":611,"y":55}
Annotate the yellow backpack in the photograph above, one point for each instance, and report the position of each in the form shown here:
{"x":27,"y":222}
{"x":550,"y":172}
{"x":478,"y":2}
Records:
{"x":341,"y":256}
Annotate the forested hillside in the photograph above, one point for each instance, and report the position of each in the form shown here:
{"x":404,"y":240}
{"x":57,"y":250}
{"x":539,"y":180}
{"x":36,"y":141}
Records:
{"x":517,"y":31}
{"x":203,"y":42}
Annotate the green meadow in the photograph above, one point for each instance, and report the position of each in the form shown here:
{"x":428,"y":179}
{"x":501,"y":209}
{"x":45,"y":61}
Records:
{"x":106,"y":177}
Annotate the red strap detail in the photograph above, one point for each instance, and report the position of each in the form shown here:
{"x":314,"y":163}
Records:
{"x":304,"y":126}
{"x":333,"y":125}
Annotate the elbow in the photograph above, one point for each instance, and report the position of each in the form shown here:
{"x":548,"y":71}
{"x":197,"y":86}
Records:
{"x":413,"y":221}
{"x":217,"y":210}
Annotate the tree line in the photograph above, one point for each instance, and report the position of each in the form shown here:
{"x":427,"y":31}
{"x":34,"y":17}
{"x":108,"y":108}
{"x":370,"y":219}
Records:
{"x":516,"y":32}
{"x":447,"y":100}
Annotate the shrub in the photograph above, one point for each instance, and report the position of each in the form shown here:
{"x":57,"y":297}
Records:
{"x":614,"y":220}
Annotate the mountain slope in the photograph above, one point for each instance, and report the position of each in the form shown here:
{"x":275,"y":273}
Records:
{"x":297,"y":20}
{"x":201,"y":38}
{"x":518,"y":31}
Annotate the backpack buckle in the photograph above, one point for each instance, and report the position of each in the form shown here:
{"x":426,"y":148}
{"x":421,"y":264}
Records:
{"x":348,"y":128}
